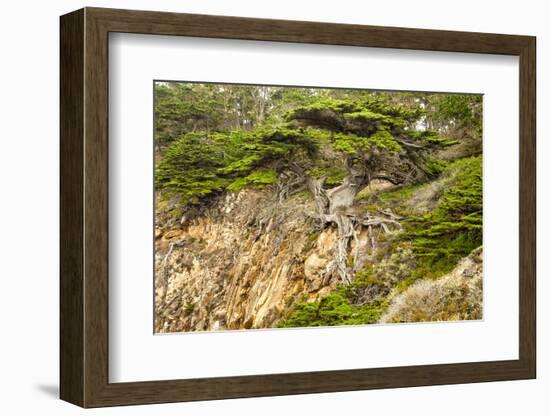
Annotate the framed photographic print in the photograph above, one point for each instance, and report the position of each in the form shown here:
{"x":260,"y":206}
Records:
{"x":255,"y":207}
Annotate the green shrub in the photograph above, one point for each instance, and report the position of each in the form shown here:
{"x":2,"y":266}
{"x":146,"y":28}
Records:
{"x":199,"y":165}
{"x":258,"y":180}
{"x":336,"y":308}
{"x":452,"y":230}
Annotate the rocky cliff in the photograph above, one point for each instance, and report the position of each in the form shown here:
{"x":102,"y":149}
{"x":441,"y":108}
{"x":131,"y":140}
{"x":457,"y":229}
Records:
{"x":238,"y":266}
{"x":252,"y":260}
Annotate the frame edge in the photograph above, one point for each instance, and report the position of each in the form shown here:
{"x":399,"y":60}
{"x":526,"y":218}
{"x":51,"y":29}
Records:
{"x":528,"y":208}
{"x":72,"y":298}
{"x":84,"y":145}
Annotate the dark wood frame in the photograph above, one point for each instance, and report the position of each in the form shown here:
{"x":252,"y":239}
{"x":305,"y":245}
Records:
{"x":84,"y":208}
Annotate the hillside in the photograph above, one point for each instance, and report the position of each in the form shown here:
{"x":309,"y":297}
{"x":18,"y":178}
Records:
{"x":319,"y":208}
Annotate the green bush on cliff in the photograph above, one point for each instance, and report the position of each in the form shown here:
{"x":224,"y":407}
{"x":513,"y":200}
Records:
{"x":452,"y":230}
{"x":446,"y":233}
{"x":335,"y":309}
{"x":198,"y":165}
{"x":258,"y":180}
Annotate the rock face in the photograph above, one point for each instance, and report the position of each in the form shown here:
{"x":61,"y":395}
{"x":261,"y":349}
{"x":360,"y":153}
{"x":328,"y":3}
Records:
{"x":242,"y":264}
{"x":455,"y":296}
{"x":248,"y":259}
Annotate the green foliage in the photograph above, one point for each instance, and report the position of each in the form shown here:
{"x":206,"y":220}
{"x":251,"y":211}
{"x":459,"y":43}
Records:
{"x":395,"y":106}
{"x":199,"y":165}
{"x":181,"y":108}
{"x":462,"y":108}
{"x":352,"y":144}
{"x":367,"y":126}
{"x":324,"y":104}
{"x":433,"y":167}
{"x":431,"y":136}
{"x":383,"y":139}
{"x":202,"y":164}
{"x":366,"y":115}
{"x":285,"y":99}
{"x":344,"y":306}
{"x":398,"y":194}
{"x":456,"y":112}
{"x":394,"y":198}
{"x":333,"y":309}
{"x":189,"y":167}
{"x":359,"y":106}
{"x":451,"y":231}
{"x":446,"y":233}
{"x":258,"y":179}
{"x":214,"y":137}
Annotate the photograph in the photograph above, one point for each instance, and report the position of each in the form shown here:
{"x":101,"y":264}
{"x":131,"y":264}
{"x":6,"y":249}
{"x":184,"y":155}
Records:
{"x":291,"y":206}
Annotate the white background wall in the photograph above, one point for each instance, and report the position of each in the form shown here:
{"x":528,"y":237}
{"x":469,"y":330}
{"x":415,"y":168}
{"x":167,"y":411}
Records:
{"x":29,"y":207}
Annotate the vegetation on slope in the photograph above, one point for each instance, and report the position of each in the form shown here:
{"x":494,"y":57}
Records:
{"x":455,"y":296}
{"x":454,"y":228}
{"x":430,"y":246}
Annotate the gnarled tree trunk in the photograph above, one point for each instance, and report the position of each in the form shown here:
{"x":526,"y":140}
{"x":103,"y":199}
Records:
{"x":332,"y":208}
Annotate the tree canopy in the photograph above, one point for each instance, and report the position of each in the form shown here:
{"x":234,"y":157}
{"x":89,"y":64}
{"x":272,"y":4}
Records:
{"x":208,"y":149}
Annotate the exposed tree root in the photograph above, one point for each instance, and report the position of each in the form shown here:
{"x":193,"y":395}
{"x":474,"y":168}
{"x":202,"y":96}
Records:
{"x":348,"y":228}
{"x":332,"y":208}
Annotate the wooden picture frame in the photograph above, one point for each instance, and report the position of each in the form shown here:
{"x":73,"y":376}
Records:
{"x":84,"y":207}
